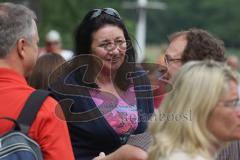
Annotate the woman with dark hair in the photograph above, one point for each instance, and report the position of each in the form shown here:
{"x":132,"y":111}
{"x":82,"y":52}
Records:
{"x":111,"y":85}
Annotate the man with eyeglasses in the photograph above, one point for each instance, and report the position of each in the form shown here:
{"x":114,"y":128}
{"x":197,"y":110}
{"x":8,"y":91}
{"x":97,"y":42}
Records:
{"x":188,"y":45}
{"x":192,"y":44}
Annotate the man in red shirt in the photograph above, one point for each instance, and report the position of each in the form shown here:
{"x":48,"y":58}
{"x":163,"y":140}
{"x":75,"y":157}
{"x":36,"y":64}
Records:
{"x":18,"y":54}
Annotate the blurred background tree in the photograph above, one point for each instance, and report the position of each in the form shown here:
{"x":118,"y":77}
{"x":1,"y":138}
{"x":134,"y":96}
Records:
{"x":220,"y":17}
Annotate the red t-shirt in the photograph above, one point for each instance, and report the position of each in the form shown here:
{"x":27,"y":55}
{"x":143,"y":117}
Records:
{"x":47,"y":130}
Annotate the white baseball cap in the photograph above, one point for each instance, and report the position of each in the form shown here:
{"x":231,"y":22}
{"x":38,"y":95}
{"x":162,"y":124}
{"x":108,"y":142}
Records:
{"x":53,"y":36}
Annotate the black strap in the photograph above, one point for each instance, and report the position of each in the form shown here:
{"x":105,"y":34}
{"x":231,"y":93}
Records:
{"x":30,"y":109}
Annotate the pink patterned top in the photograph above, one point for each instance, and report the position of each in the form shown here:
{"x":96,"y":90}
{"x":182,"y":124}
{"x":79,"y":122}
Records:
{"x":124,"y":117}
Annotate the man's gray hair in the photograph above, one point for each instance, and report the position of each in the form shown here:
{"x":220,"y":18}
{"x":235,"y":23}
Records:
{"x":15,"y":23}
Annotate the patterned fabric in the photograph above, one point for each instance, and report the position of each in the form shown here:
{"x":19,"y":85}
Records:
{"x":142,"y":140}
{"x":97,"y":135}
{"x":230,"y":152}
{"x":123,"y":118}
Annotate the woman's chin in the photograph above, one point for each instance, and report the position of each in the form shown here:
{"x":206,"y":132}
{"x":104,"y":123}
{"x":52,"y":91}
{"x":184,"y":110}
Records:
{"x":112,"y":66}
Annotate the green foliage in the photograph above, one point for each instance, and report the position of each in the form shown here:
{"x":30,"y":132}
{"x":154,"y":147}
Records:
{"x":219,"y":17}
{"x":64,"y":16}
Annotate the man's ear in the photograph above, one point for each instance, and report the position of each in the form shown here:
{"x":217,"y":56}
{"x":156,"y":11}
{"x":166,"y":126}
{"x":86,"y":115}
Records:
{"x":21,"y":44}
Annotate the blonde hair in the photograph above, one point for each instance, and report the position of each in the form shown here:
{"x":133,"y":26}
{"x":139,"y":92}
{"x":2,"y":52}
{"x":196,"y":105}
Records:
{"x":198,"y":87}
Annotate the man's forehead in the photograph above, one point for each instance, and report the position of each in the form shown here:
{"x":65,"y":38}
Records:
{"x":177,"y":46}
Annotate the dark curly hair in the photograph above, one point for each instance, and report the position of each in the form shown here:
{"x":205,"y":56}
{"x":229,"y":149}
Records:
{"x":201,"y":45}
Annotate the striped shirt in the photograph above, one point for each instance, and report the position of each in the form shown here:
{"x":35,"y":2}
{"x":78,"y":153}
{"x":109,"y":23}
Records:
{"x":230,"y":152}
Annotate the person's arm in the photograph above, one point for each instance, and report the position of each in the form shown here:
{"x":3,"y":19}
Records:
{"x":51,"y":133}
{"x":125,"y":152}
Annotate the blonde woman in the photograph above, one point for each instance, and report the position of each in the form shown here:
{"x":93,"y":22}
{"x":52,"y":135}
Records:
{"x":199,"y":116}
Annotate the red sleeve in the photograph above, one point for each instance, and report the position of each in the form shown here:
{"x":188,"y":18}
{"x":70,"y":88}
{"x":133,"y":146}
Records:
{"x":51,"y":133}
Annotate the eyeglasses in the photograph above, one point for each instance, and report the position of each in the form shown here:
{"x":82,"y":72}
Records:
{"x":123,"y":45}
{"x":232,"y":103}
{"x":108,"y":11}
{"x":169,"y":60}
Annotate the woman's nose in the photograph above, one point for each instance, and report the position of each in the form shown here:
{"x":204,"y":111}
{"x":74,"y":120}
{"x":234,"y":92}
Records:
{"x":114,"y":50}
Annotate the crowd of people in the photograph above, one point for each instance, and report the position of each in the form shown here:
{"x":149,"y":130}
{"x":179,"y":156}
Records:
{"x":103,"y":105}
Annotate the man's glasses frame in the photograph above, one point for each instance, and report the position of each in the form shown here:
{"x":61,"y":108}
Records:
{"x":168,"y":60}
